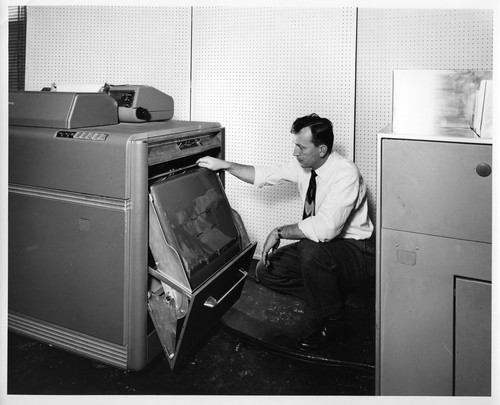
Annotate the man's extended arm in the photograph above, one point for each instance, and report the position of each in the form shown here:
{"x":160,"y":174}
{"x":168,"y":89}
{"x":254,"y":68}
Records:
{"x":247,"y":174}
{"x":242,"y":172}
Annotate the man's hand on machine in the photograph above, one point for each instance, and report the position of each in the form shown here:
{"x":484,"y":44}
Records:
{"x":212,"y":163}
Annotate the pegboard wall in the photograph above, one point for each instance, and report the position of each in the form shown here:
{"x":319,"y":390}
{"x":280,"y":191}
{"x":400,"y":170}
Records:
{"x":115,"y":45}
{"x":436,"y":39}
{"x":256,"y":70}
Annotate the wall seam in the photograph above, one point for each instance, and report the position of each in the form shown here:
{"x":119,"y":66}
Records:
{"x":355,"y":84}
{"x":191,"y":67}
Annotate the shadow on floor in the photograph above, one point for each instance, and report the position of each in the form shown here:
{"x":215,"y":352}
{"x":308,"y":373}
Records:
{"x":273,"y":322}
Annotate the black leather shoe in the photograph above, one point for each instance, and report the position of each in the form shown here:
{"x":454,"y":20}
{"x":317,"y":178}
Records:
{"x":316,"y":341}
{"x":324,"y":337}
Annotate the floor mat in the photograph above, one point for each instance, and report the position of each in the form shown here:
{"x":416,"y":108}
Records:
{"x":272,"y":321}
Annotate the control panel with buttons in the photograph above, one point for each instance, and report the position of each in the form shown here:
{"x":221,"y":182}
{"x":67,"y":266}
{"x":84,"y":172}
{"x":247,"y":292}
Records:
{"x":83,"y":135}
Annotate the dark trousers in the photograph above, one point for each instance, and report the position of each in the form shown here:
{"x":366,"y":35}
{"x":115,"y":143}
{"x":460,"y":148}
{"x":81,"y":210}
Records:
{"x":322,"y":274}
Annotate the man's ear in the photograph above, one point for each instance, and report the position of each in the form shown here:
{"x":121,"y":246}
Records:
{"x":322,"y":151}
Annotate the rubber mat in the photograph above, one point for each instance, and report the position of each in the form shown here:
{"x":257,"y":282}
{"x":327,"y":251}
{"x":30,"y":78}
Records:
{"x":272,"y":320}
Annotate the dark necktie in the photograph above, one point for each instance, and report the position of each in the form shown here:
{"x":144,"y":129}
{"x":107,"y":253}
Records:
{"x":309,"y":203}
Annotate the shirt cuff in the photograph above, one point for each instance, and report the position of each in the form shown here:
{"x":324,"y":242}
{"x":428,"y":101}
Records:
{"x":260,"y":179}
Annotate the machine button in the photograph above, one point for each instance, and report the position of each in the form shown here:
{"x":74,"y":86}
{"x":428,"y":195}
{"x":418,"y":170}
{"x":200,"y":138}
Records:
{"x":65,"y":134}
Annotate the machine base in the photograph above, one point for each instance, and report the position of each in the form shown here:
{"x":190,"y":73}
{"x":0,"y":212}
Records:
{"x":96,"y":349}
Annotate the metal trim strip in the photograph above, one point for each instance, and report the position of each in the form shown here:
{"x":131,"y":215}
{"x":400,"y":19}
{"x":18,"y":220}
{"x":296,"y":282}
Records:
{"x":67,"y":339}
{"x":75,"y":198}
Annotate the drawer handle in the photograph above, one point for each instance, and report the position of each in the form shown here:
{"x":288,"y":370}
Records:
{"x":211,"y":302}
{"x":483,"y":169}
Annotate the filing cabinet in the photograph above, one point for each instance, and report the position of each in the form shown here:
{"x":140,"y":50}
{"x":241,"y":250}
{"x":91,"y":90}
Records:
{"x":434,"y":235}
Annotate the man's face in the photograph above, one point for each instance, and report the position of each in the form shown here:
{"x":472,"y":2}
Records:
{"x":308,"y":155}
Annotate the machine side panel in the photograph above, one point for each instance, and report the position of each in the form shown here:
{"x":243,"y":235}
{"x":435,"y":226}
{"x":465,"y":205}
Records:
{"x":137,"y":259}
{"x":66,"y":261}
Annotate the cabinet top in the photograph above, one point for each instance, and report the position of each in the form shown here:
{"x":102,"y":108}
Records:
{"x":449,"y":134}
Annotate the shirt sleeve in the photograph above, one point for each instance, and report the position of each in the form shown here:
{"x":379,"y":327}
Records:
{"x":335,"y":209}
{"x":277,"y":174}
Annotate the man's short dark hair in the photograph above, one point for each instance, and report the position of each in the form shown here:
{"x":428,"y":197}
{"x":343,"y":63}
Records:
{"x":321,"y":129}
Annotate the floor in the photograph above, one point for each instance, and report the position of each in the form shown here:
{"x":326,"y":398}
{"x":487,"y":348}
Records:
{"x":241,"y":356}
{"x":225,"y":365}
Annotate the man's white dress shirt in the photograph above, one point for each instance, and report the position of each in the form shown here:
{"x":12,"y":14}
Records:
{"x":341,"y":203}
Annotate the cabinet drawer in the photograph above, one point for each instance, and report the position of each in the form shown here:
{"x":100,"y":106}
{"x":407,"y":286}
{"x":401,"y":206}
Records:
{"x":437,"y":188}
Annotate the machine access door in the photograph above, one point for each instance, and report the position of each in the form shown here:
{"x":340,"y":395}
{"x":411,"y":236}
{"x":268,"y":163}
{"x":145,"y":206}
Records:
{"x":201,"y":257}
{"x":179,"y":334}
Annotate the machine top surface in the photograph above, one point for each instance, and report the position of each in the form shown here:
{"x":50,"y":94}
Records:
{"x":61,"y":109}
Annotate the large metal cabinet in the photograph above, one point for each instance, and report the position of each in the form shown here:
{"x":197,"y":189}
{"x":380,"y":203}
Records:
{"x":434,"y":235}
{"x":85,"y":268}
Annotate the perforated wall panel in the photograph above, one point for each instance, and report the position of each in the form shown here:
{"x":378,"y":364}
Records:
{"x":436,"y":39}
{"x":257,"y":69}
{"x":115,"y":45}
